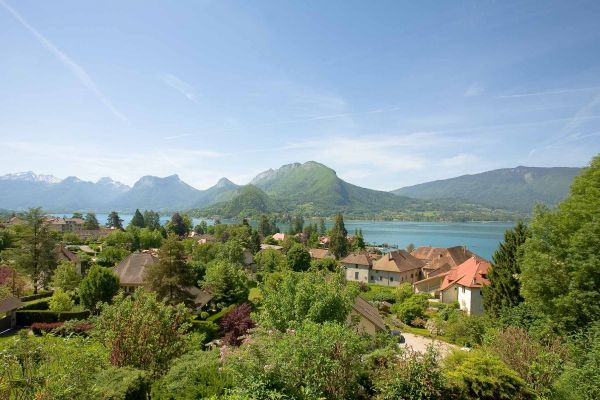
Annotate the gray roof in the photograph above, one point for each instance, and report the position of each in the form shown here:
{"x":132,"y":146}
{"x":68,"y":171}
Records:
{"x":131,"y":270}
{"x":368,"y":311}
{"x":9,"y":304}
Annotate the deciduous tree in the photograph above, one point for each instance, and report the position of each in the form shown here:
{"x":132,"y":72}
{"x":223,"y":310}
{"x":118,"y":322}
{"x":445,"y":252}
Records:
{"x":99,"y":285}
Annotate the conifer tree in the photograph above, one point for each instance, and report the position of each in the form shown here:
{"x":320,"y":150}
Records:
{"x":91,"y":222}
{"x":504,"y":288}
{"x":171,"y":276}
{"x":114,"y":221}
{"x":138,"y":219}
{"x":338,"y":242}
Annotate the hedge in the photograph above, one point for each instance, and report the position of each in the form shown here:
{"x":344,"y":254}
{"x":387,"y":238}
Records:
{"x":217,"y":317}
{"x":36,"y":296}
{"x":210,"y":329}
{"x":28,"y":317}
{"x":39,"y":304}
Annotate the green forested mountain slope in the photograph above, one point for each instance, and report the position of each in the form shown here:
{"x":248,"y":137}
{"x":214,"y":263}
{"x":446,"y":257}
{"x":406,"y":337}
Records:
{"x":516,"y":189}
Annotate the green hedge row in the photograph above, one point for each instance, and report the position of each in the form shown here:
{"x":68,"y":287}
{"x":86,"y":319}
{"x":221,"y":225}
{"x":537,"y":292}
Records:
{"x":40,"y":304}
{"x":36,"y":296}
{"x":28,"y":317}
{"x":210,"y":329}
{"x":217,"y":317}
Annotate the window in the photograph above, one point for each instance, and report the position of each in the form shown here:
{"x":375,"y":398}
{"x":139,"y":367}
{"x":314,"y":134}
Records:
{"x":372,"y":278}
{"x":411,"y":275}
{"x":381,"y":278}
{"x":391,"y":279}
{"x":356,"y":276}
{"x":463,"y":289}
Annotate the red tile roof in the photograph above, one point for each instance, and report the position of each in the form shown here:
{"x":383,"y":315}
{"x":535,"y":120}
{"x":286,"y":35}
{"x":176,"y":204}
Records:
{"x":472,"y":273}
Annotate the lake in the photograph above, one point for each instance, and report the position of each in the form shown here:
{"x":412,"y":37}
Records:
{"x":479,"y":237}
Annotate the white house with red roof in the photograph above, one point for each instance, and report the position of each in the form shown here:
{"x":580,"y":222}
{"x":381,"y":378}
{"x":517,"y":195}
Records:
{"x":464,"y":284}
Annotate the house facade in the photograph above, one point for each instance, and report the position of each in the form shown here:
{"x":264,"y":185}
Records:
{"x":357,"y":266}
{"x":391,"y":269}
{"x":365,"y":318}
{"x":395,"y":268}
{"x":464,"y":284}
{"x":8,"y":312}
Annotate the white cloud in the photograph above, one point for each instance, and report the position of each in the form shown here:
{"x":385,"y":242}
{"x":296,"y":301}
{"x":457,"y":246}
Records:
{"x":180,"y":86}
{"x":84,"y":78}
{"x":474,"y":90}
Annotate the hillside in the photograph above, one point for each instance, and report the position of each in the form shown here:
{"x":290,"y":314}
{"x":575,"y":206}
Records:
{"x":316,"y":186}
{"x":517,"y":189}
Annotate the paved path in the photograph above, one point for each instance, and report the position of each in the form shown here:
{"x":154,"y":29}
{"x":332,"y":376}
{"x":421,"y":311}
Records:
{"x":420,"y":343}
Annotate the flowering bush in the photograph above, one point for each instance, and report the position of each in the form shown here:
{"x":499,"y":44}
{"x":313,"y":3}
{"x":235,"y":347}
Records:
{"x":235,"y":324}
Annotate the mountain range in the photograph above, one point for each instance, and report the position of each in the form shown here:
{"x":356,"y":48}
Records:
{"x":310,"y":188}
{"x":516,"y":189}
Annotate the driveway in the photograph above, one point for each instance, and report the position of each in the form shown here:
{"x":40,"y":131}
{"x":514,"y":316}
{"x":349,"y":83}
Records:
{"x":420,"y":343}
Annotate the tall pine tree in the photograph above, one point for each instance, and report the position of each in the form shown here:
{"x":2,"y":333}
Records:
{"x":504,"y":288}
{"x":114,"y":221}
{"x":138,"y":219}
{"x":34,"y":253}
{"x":338,"y":241}
{"x":171,"y":276}
{"x":91,"y":222}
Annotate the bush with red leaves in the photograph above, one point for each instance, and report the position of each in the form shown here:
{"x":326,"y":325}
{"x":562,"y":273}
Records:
{"x":61,"y":328}
{"x":45,"y":327}
{"x":235,"y":324}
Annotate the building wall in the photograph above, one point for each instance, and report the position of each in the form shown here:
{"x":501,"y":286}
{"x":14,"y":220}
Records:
{"x":357,"y":272}
{"x":432,"y":286}
{"x":363,"y":325}
{"x":388,"y":278}
{"x":470,"y":300}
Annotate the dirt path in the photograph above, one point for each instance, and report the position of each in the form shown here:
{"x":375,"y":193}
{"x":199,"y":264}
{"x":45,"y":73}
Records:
{"x":420,"y":343}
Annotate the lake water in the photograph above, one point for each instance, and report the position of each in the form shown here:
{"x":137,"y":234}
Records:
{"x":480,"y":238}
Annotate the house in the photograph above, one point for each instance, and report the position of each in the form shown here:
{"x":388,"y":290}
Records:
{"x":63,"y":225}
{"x":358,"y":266}
{"x":131,"y":270}
{"x":131,"y":276}
{"x":64,"y":254}
{"x":8,"y":312}
{"x":441,"y":257}
{"x":324,"y":240}
{"x":279,"y":236}
{"x":396,"y":267}
{"x":365,"y":317}
{"x":464,"y":284}
{"x":319,"y":254}
{"x":438,"y":262}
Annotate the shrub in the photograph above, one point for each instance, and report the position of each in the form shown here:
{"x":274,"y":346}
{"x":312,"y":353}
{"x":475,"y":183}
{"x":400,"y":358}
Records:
{"x":196,"y":375}
{"x":60,"y":302}
{"x":465,"y":330}
{"x":235,"y":324}
{"x":44,"y":327}
{"x":208,"y":328}
{"x":412,"y":376}
{"x":412,"y":308}
{"x":481,"y":376}
{"x":418,"y":322}
{"x":100,"y":285}
{"x":537,"y":363}
{"x":142,"y":332}
{"x":122,"y":383}
{"x":28,"y":317}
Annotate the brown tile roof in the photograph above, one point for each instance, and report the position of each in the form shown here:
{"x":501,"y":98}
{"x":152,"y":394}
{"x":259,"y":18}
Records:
{"x":131,"y":270}
{"x":64,"y":254}
{"x":9,"y":304}
{"x":364,"y":308}
{"x":472,"y":273}
{"x":397,"y":261}
{"x":320,"y":253}
{"x":358,"y":258}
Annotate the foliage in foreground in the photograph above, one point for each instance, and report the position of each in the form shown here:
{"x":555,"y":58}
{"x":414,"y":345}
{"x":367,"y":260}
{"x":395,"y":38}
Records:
{"x":141,"y":332}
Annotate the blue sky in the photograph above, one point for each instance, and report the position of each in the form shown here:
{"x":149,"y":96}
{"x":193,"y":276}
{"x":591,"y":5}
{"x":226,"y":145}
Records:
{"x":387,"y":93}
